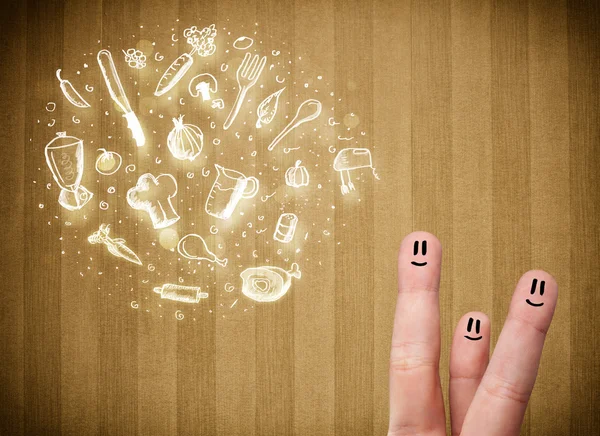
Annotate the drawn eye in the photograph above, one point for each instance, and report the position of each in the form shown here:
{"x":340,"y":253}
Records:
{"x":533,"y":285}
{"x":542,"y":286}
{"x":477,"y":326}
{"x":416,"y":248}
{"x":470,"y":324}
{"x":424,"y":249}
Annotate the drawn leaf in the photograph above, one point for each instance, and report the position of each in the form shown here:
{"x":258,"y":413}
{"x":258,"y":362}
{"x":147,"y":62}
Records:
{"x":268,"y":108}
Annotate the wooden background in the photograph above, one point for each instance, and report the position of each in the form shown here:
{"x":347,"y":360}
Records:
{"x":484,"y":118}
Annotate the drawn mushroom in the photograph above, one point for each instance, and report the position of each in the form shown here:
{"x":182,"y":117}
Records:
{"x":203,"y":84}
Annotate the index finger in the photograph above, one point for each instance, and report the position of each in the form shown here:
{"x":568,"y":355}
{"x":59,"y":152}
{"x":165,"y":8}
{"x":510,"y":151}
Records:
{"x":415,"y":392}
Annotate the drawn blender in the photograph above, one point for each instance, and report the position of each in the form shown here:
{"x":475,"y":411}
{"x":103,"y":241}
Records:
{"x":247,"y":74}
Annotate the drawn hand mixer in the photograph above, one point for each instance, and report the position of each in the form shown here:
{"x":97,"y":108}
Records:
{"x":352,"y":159}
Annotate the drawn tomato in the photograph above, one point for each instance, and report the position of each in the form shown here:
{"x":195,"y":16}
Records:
{"x":108,"y":162}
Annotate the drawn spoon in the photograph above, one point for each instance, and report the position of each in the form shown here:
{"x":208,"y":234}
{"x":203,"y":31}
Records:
{"x":312,"y":109}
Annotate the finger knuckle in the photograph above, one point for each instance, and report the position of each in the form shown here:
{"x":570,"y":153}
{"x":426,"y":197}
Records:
{"x":505,"y":390}
{"x":410,"y":355}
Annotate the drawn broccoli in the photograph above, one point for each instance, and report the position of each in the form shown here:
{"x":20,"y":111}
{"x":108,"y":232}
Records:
{"x":203,"y":40}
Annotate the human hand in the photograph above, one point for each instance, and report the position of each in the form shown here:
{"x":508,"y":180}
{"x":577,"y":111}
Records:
{"x":485,"y":399}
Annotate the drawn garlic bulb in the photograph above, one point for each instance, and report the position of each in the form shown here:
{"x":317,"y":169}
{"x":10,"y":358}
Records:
{"x":185,"y":140}
{"x":268,"y":108}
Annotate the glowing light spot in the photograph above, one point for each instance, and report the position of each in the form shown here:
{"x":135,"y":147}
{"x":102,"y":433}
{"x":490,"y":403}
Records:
{"x":168,"y":238}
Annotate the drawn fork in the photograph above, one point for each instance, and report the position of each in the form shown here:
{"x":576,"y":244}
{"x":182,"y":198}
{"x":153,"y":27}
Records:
{"x":247,"y":75}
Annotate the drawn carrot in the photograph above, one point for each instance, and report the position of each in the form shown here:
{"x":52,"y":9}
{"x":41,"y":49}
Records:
{"x":203,"y":45}
{"x":116,"y":246}
{"x":71,"y":93}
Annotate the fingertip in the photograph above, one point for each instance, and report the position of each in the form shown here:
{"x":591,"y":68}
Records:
{"x":473,"y":325}
{"x":534,"y":299}
{"x":419,"y":261}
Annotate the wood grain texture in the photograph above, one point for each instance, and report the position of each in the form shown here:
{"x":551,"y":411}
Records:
{"x":483,"y":122}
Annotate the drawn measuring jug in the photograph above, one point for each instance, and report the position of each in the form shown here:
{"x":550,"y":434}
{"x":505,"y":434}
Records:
{"x":228,"y":189}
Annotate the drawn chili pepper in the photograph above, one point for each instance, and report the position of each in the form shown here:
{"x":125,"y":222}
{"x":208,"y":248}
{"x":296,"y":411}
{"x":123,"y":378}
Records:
{"x":71,"y":93}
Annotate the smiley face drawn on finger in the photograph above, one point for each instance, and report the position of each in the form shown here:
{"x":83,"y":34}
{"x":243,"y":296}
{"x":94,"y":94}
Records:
{"x":477,"y":328}
{"x":533,"y":286}
{"x":416,"y":252}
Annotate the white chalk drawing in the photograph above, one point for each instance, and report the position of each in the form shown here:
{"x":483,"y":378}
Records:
{"x":268,"y":108}
{"x":268,"y":283}
{"x":158,"y":57}
{"x":286,"y":227}
{"x":307,"y":111}
{"x":287,"y":150}
{"x":108,"y":162}
{"x":51,"y":106}
{"x":351,"y":159}
{"x":228,"y":189}
{"x":183,"y":294}
{"x":117,"y":93}
{"x":202,"y":42}
{"x":71,"y":93}
{"x":185,"y":140}
{"x":279,"y":81}
{"x":116,"y":246}
{"x":217,"y":103}
{"x":52,"y":123}
{"x":200,"y":250}
{"x":153,"y":195}
{"x":135,"y":58}
{"x":64,"y":156}
{"x":203,"y":84}
{"x":297,"y":176}
{"x":247,"y":75}
{"x":243,"y":43}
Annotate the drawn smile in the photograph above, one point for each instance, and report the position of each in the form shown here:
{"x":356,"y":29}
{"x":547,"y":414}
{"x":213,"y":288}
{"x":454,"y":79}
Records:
{"x":534,"y":304}
{"x":419,"y":263}
{"x":473,"y":339}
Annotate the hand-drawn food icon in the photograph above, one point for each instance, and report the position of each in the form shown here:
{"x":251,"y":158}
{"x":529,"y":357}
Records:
{"x":108,"y":162}
{"x":117,"y":93}
{"x":297,"y":176}
{"x":183,"y":294}
{"x":71,"y":93}
{"x":202,"y":42}
{"x":64,"y":156}
{"x":286,"y":227}
{"x":307,"y":111}
{"x":203,"y":84}
{"x":185,"y":140}
{"x":116,"y":246}
{"x":228,"y":189}
{"x":243,"y":43}
{"x":135,"y":58}
{"x":153,"y":195}
{"x":268,"y":283}
{"x":247,"y":74}
{"x":194,"y":247}
{"x":351,"y":159}
{"x":268,"y":108}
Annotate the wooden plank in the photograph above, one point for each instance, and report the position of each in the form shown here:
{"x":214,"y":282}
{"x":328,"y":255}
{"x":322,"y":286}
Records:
{"x":13,"y":44}
{"x":42,"y":261}
{"x":354,"y":225}
{"x":511,"y":155}
{"x":118,"y":321}
{"x":549,"y":116}
{"x":391,"y":141}
{"x":78,"y":307}
{"x":314,"y":296}
{"x":583,"y":22}
{"x":432,"y":169}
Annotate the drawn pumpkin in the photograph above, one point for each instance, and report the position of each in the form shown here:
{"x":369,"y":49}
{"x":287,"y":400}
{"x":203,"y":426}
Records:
{"x":297,"y":175}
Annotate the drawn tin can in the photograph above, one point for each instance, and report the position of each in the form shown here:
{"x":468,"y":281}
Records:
{"x":286,"y":227}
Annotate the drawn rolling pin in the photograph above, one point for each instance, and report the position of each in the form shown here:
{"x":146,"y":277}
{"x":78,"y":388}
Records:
{"x":113,"y":83}
{"x":184,"y":294}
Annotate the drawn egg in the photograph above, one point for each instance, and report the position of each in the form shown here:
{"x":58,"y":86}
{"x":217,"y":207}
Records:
{"x":243,"y":43}
{"x":108,"y":162}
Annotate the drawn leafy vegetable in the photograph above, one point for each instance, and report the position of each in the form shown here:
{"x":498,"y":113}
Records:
{"x":268,"y":108}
